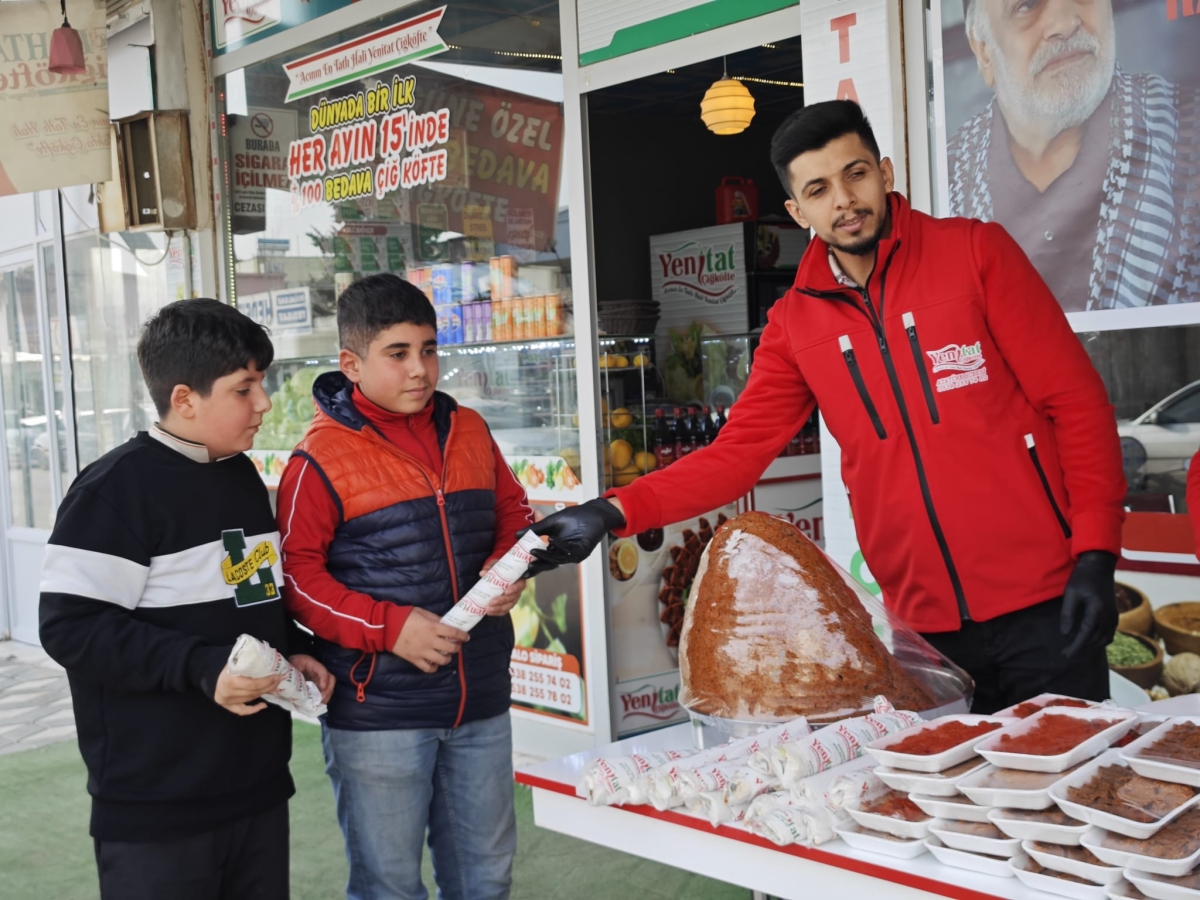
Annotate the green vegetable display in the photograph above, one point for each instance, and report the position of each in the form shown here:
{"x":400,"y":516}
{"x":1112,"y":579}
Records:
{"x":291,"y":411}
{"x":1128,"y":651}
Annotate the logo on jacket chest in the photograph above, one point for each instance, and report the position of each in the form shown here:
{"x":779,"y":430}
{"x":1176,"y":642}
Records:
{"x":964,"y":360}
{"x":240,"y":568}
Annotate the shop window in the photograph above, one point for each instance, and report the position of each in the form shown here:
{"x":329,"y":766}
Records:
{"x":1153,"y":380}
{"x":114,"y":283}
{"x":26,"y":429}
{"x":328,"y":187}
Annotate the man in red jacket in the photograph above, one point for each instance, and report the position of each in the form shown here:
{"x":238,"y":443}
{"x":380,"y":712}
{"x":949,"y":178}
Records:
{"x":978,"y":444}
{"x":1193,"y":497}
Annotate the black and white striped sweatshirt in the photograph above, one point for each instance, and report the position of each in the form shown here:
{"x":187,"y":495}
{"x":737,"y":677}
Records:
{"x":159,"y":559}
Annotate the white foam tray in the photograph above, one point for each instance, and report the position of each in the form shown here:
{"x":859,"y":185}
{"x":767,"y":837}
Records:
{"x":1175,"y":868}
{"x":1161,"y":769}
{"x":1003,"y":797}
{"x":1124,"y":719}
{"x":1067,"y":835}
{"x":961,"y":808}
{"x":1097,"y":874}
{"x":1140,"y":830}
{"x":1052,"y":885}
{"x":937,"y":762}
{"x":901,"y":828}
{"x":1007,"y":713}
{"x":1159,"y":890}
{"x":862,"y":839}
{"x":973,"y":862}
{"x":956,"y":840}
{"x":931,"y":785}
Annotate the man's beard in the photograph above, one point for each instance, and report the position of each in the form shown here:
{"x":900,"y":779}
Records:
{"x":862,"y":244}
{"x":1051,"y":103}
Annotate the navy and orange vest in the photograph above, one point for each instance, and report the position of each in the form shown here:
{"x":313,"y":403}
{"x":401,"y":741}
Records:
{"x":415,"y":537}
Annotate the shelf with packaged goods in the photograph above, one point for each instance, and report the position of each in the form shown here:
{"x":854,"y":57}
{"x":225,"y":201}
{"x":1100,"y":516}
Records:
{"x":526,"y":391}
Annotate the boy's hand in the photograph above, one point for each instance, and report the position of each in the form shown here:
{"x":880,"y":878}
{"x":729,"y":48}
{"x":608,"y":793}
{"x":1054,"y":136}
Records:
{"x":426,"y":643}
{"x":234,"y":692}
{"x":313,"y":671}
{"x":503,"y":604}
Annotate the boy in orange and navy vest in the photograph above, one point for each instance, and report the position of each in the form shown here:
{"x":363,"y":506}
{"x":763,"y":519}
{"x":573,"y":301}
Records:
{"x":390,"y":509}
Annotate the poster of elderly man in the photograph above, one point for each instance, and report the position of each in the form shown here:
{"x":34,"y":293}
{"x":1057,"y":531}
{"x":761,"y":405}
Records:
{"x":1074,"y":124}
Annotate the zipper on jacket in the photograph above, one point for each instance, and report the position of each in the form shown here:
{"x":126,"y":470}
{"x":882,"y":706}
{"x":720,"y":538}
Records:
{"x":922,"y":479}
{"x":1041,"y":472}
{"x":441,"y":502}
{"x":445,"y":520}
{"x":910,"y":328}
{"x":857,"y":377}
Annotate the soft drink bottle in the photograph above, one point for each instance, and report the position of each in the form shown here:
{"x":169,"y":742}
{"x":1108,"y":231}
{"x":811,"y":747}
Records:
{"x":706,"y":427}
{"x":664,"y":440}
{"x":677,"y":433}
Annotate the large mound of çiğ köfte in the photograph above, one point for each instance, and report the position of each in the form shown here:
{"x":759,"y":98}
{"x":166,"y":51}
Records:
{"x":772,"y":632}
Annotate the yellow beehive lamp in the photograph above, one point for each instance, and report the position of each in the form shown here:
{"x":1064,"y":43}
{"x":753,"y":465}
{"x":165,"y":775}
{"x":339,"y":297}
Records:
{"x":727,"y":107}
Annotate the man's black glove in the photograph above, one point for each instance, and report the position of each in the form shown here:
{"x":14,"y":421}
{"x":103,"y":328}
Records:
{"x":1089,"y":606}
{"x":574,"y":533}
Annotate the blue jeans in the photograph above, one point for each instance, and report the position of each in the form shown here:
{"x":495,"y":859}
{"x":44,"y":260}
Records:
{"x":391,"y":786}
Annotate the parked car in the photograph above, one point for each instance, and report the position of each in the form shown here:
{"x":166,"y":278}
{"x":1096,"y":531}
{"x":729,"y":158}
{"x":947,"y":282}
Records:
{"x":1158,"y":445}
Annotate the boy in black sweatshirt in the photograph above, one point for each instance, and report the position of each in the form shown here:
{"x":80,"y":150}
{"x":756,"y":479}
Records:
{"x":142,"y":599}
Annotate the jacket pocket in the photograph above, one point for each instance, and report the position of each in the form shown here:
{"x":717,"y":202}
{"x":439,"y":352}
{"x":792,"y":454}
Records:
{"x":861,"y":385}
{"x":910,"y":328}
{"x":1041,"y":473}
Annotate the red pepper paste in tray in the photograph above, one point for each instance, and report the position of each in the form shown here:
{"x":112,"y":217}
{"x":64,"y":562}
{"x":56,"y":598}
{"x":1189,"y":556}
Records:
{"x":933,"y":741}
{"x":1180,"y":746}
{"x":1122,"y":792}
{"x":896,"y":805}
{"x":1053,"y":735}
{"x":1029,"y":707}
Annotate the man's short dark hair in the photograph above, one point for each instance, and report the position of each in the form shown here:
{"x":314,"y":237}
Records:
{"x":812,"y":128}
{"x":376,"y":303}
{"x":195,"y":342}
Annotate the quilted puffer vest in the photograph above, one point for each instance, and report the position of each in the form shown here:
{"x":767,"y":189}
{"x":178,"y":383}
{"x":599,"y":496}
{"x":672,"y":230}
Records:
{"x":415,"y":537}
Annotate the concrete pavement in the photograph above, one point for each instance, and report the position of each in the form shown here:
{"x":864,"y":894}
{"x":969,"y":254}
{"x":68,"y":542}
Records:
{"x":35,"y":701}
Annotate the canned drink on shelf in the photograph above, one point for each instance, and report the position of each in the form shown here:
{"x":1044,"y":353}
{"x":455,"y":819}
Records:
{"x":455,"y":325}
{"x":553,"y":315}
{"x":499,"y":320}
{"x":508,"y":277}
{"x":484,"y":324}
{"x":494,"y":277}
{"x":519,"y":322}
{"x":468,"y":320}
{"x":535,"y":315}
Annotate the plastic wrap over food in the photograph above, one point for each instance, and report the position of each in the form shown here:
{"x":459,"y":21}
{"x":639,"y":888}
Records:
{"x":774,"y":629}
{"x":615,"y":781}
{"x":715,"y":806}
{"x":258,"y":659}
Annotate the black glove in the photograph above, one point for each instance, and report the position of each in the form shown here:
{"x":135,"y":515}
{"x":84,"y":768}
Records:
{"x":574,"y":533}
{"x":1089,"y":603}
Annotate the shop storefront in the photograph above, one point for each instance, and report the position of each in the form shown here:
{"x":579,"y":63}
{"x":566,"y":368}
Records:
{"x":443,"y":144}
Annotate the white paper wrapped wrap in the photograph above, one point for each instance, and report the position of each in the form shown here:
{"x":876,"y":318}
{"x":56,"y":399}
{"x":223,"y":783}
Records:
{"x":615,"y":781}
{"x":507,"y":571}
{"x":835,"y":745}
{"x":257,"y":659}
{"x":815,"y":806}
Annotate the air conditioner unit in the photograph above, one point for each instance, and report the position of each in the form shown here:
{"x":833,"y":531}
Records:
{"x":152,"y":187}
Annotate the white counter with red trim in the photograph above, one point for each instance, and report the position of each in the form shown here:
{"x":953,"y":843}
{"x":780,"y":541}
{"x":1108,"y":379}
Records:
{"x":734,"y":855}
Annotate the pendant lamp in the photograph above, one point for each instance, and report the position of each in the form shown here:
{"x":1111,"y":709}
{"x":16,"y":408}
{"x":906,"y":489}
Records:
{"x":66,"y":49}
{"x":727,"y":107}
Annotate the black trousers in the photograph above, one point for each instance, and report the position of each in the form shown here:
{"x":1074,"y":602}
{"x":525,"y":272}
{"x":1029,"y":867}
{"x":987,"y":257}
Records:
{"x":1019,"y":655}
{"x":244,"y":860}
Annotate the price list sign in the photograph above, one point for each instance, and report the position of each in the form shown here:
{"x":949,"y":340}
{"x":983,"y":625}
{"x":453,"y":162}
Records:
{"x":547,"y":680}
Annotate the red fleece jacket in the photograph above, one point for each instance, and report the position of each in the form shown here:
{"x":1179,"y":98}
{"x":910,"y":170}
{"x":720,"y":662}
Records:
{"x":978,"y":444}
{"x":347,"y":617}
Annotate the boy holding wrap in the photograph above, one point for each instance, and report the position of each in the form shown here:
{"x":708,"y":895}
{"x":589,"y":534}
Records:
{"x":164,"y":553}
{"x":391,"y":508}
